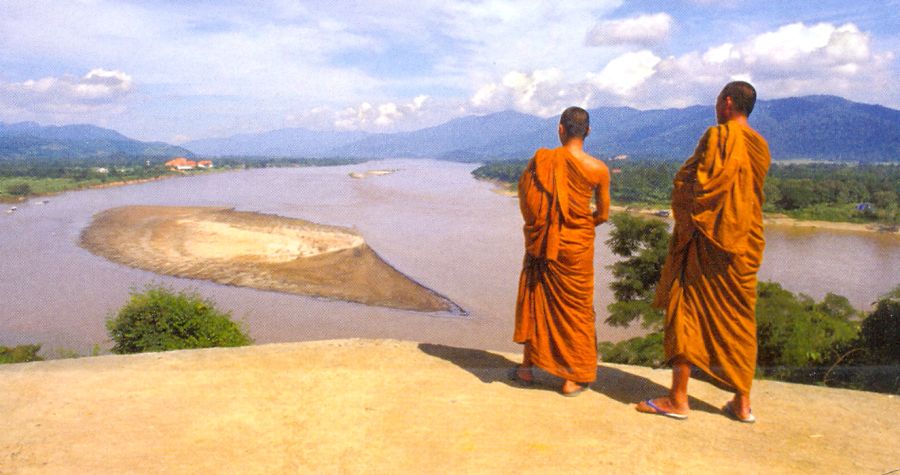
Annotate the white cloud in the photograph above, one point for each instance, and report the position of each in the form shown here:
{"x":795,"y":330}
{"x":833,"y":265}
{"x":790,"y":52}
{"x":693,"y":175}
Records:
{"x":98,"y":89}
{"x":643,"y":30}
{"x":720,"y":54}
{"x":390,"y":116}
{"x":795,"y":59}
{"x":542,"y":92}
{"x":625,"y":73}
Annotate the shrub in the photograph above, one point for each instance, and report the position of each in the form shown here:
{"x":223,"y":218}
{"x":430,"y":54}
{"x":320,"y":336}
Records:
{"x":160,"y":319}
{"x":18,"y":189}
{"x":19,"y":354}
{"x":641,"y":351}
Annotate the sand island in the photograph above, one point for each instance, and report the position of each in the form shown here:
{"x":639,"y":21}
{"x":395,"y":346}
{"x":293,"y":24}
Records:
{"x":256,"y":250}
{"x":361,"y":175}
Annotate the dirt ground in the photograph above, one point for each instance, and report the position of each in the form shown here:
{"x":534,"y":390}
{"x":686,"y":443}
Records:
{"x":255,"y":250}
{"x":375,"y":406}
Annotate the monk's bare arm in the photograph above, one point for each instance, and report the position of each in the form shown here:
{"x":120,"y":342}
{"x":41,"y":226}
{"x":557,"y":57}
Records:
{"x":601,"y":195}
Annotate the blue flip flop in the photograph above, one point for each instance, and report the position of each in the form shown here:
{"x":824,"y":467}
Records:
{"x":658,"y":410}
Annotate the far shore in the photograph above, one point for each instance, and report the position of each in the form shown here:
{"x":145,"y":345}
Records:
{"x":772,"y":219}
{"x":96,"y":186}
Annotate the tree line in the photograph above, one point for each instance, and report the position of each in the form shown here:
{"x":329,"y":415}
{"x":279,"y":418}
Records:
{"x":824,"y":191}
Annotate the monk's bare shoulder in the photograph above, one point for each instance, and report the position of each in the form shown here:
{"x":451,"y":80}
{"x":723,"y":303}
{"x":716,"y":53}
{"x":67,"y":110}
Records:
{"x":599,"y":172}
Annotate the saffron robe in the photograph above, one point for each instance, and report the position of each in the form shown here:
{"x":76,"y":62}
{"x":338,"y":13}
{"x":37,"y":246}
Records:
{"x":555,"y":304}
{"x":708,"y":282}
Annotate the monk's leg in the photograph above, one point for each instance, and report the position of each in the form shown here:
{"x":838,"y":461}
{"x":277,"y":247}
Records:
{"x":677,"y":400}
{"x":681,"y":374}
{"x":523,"y":372}
{"x":740,"y":404}
{"x":570,"y":387}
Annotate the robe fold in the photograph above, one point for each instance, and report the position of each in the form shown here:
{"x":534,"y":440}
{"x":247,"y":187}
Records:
{"x":708,"y":282}
{"x":555,"y":304}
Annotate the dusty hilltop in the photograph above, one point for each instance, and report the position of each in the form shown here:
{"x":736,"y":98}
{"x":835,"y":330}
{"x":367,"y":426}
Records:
{"x":378,"y":406}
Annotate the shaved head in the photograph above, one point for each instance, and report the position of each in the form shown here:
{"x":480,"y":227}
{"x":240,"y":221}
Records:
{"x":742,"y":94}
{"x":575,"y":122}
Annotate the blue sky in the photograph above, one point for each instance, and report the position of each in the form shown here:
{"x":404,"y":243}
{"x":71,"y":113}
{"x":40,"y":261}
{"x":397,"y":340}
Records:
{"x":181,"y":70}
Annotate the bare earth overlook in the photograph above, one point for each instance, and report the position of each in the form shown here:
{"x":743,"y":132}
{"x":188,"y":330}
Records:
{"x":384,"y":406}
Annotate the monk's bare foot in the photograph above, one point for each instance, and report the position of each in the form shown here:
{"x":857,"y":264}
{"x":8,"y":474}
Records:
{"x":740,"y":407}
{"x":524,"y":374}
{"x":571,"y":388}
{"x":664,"y":406}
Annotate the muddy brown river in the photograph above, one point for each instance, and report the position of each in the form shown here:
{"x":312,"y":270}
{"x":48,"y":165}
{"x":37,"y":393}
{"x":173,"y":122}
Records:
{"x":430,"y":220}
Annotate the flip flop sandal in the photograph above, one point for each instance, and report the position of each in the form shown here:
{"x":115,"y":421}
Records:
{"x":729,"y":411}
{"x":658,"y":410}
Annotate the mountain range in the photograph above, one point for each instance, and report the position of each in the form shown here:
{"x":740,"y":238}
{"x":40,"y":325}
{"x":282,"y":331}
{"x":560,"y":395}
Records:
{"x":809,"y":127}
{"x":26,"y":140}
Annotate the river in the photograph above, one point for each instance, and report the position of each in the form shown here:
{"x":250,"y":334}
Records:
{"x":429,"y":219}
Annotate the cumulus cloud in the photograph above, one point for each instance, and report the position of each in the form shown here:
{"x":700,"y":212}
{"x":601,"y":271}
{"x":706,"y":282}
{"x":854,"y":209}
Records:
{"x":391,"y":116}
{"x":625,"y":73}
{"x":794,"y":59}
{"x":381,"y":117}
{"x":642,"y":30}
{"x":98,"y":89}
{"x":542,"y":92}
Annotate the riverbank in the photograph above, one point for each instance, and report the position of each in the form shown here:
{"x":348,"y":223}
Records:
{"x":775,"y":219}
{"x":77,"y":186}
{"x":387,"y":406}
{"x":255,"y":250}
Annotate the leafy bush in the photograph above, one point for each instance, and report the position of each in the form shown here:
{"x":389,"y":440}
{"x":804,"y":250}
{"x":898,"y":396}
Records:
{"x":18,"y":189}
{"x":160,"y":319}
{"x":880,"y":333}
{"x":641,"y":351}
{"x":19,"y":354}
{"x":795,"y":332}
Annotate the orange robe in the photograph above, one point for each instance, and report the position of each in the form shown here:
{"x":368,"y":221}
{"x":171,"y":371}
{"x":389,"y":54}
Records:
{"x":555,"y":305}
{"x":708,"y":282}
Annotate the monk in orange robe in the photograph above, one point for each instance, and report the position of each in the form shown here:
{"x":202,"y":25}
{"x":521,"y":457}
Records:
{"x":708,"y":282}
{"x":555,"y":305}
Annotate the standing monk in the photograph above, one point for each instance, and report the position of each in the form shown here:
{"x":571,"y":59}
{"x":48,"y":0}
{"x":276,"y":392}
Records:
{"x":555,"y":307}
{"x":708,"y":283}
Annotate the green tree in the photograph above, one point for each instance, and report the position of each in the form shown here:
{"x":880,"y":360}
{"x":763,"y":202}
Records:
{"x":643,"y":243}
{"x":160,"y":319}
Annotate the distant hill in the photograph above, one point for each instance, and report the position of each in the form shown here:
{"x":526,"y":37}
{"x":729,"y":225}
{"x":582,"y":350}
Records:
{"x":81,"y":141}
{"x":293,"y":142}
{"x":811,"y":127}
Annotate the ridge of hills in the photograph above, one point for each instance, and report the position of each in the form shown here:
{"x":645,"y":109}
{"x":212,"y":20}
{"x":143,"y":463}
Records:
{"x":810,"y":127}
{"x":825,"y":128}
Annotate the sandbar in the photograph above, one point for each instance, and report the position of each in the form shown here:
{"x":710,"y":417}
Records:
{"x":256,"y":250}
